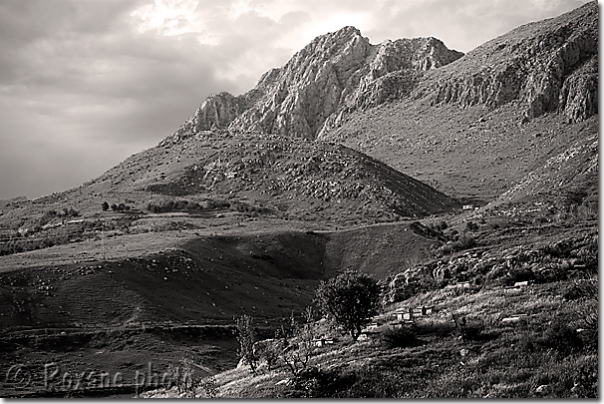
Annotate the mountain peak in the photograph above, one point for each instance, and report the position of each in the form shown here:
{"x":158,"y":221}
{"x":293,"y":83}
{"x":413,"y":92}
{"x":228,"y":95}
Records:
{"x":546,"y":66}
{"x":348,"y":30}
{"x":335,"y":73}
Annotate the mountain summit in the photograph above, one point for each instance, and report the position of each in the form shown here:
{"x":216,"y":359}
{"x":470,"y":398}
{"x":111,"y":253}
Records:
{"x":545,"y":66}
{"x":336,"y":72}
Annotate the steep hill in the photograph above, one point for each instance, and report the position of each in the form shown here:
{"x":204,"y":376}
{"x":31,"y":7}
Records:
{"x":570,"y":177}
{"x":292,"y":178}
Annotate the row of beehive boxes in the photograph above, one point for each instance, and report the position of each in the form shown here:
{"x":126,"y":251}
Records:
{"x":409,"y":313}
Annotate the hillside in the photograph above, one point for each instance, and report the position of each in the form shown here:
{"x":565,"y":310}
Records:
{"x":291,"y":178}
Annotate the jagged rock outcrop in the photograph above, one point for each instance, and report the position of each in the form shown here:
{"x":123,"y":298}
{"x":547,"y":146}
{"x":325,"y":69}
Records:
{"x":218,"y":111}
{"x":579,"y":94}
{"x":547,"y":66}
{"x":336,"y":73}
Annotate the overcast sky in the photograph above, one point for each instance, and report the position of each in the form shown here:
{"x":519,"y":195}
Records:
{"x":86,"y":83}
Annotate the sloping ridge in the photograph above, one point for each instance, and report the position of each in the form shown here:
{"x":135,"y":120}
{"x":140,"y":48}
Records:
{"x":550,"y":65}
{"x":568,"y":177}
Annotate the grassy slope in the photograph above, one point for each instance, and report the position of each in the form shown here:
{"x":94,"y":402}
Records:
{"x":542,"y":355}
{"x":187,"y":277}
{"x":469,"y":153}
{"x":168,"y":281}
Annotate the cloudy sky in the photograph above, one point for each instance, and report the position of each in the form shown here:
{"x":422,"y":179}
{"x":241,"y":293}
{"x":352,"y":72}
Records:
{"x":86,"y":83}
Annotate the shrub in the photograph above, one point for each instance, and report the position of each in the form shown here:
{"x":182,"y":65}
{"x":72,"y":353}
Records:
{"x":582,"y":289}
{"x":520,"y":274}
{"x":552,"y":273}
{"x":463,"y":242}
{"x":183,"y":378}
{"x":561,"y":337}
{"x":208,"y":387}
{"x":246,"y":336}
{"x":586,"y":378}
{"x":300,"y":347}
{"x":271,"y":353}
{"x":368,"y":382}
{"x":312,"y":383}
{"x":437,"y":328}
{"x":471,"y":226}
{"x":472,"y":331}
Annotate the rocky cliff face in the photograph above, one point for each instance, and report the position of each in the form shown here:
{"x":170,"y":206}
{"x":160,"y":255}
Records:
{"x":336,"y":73}
{"x":546,"y":66}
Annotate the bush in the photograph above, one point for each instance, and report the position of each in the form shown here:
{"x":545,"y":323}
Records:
{"x":463,"y":242}
{"x":368,"y":382}
{"x":301,"y":345}
{"x":371,"y":382}
{"x":518,"y":275}
{"x":552,"y":273}
{"x":586,"y":378}
{"x":471,"y":226}
{"x":561,"y":337}
{"x":437,"y":328}
{"x":472,"y":332}
{"x":582,"y":289}
{"x":171,"y":206}
{"x":182,"y":377}
{"x":312,"y":383}
{"x":246,"y":336}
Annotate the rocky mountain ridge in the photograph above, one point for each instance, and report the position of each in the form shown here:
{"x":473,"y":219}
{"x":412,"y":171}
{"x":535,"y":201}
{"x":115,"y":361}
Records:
{"x":336,"y":73}
{"x":546,"y":66}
